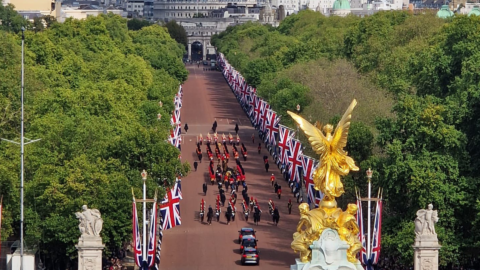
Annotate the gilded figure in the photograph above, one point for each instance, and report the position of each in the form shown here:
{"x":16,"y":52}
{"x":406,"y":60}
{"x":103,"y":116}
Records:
{"x":334,"y":161}
{"x":348,"y":231}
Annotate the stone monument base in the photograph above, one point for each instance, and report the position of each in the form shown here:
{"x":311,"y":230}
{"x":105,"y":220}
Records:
{"x":426,"y":252}
{"x":90,"y":249}
{"x":329,"y":252}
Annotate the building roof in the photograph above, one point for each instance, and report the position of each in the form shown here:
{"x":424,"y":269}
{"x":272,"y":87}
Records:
{"x":341,"y":4}
{"x":475,"y":11}
{"x":444,"y":12}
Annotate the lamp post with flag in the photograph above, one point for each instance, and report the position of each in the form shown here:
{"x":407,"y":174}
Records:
{"x":371,"y":249}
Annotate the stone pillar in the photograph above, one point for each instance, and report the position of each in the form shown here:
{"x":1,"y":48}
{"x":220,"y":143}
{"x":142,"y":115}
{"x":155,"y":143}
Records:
{"x":90,"y":249}
{"x":426,"y":242}
{"x":204,"y":50}
{"x":189,"y":51}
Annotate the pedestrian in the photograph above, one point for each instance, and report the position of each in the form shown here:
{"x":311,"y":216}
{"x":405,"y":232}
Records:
{"x":210,"y":215}
{"x":236,"y":128}
{"x":186,"y":128}
{"x":200,"y":157}
{"x":266,"y":167}
{"x":253,"y":138}
{"x":276,"y":216}
{"x":195,"y":165}
{"x":275,"y":187}
{"x":256,"y":216}
{"x":259,"y":147}
{"x":228,"y":214}
{"x":222,"y":198}
{"x":204,"y":189}
{"x":289,"y":205}
{"x":272,"y":179}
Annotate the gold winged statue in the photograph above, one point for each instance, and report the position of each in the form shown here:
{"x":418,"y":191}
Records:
{"x":334,"y":161}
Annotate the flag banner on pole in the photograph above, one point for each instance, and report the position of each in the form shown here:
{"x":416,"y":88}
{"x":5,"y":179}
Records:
{"x":170,"y":208}
{"x":272,"y":126}
{"x":136,"y":236}
{"x":159,"y":239}
{"x":377,"y":233}
{"x":294,"y":159}
{"x":285,"y":135}
{"x":361,"y":235}
{"x":152,"y":236}
{"x":309,"y":167}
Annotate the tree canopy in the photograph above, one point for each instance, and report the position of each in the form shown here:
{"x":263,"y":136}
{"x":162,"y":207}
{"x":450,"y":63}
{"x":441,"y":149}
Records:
{"x":417,"y":122}
{"x":92,"y":91}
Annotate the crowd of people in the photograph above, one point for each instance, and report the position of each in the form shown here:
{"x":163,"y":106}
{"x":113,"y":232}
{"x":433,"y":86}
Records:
{"x":229,"y":176}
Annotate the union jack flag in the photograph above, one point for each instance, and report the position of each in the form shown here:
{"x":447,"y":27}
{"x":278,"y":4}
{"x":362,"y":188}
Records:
{"x":309,"y":167}
{"x":361,"y":235}
{"x":252,"y":102}
{"x":177,"y":101}
{"x":170,"y":208}
{"x":152,"y":236}
{"x":264,"y":107}
{"x":285,"y":136}
{"x":136,"y":236}
{"x":175,"y":141}
{"x":180,"y":90}
{"x":271,"y":127}
{"x":175,"y":117}
{"x":159,"y":241}
{"x":377,"y":233}
{"x":295,"y":160}
{"x":178,"y":131}
{"x":257,"y":111}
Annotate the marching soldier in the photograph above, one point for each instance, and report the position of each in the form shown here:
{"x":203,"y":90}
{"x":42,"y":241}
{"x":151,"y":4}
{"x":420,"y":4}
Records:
{"x":272,"y":178}
{"x":236,"y":128}
{"x":289,"y":205}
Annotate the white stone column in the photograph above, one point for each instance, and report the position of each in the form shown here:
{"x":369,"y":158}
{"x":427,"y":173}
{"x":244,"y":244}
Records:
{"x":189,"y":51}
{"x":204,"y":50}
{"x":426,"y":242}
{"x":90,"y":249}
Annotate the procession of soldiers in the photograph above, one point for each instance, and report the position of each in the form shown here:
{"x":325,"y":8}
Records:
{"x":225,"y":154}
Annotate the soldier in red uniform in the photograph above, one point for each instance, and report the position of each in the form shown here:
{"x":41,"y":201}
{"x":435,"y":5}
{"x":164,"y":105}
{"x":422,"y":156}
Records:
{"x":272,"y":179}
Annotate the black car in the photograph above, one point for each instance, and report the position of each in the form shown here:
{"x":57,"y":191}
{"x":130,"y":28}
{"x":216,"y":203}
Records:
{"x":248,"y":241}
{"x":245,"y":231}
{"x":250,"y":255}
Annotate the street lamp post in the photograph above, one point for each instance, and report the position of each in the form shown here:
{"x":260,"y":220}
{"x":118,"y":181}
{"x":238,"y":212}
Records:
{"x":22,"y":146}
{"x":144,"y":249}
{"x":369,"y":176}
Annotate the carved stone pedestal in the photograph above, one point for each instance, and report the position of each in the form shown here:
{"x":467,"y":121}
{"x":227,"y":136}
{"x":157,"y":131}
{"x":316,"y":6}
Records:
{"x":329,"y":252}
{"x":426,"y":252}
{"x":90,"y":249}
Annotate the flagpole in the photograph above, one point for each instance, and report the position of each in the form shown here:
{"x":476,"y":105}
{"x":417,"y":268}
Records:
{"x":144,"y":249}
{"x":369,"y":176}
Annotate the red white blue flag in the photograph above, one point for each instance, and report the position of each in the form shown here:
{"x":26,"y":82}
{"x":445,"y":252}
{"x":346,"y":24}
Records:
{"x":294,"y":159}
{"x":152,"y":236}
{"x":284,"y":139}
{"x":309,"y":167}
{"x":170,"y":208}
{"x":377,"y":233}
{"x":272,"y":122}
{"x":137,"y":249}
{"x":361,"y":235}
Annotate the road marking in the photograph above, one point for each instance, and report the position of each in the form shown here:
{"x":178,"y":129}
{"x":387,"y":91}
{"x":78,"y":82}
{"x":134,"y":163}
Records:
{"x":228,"y":122}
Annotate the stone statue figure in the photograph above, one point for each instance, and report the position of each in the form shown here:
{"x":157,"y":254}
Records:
{"x":334,"y":161}
{"x":348,"y":231}
{"x":425,"y":221}
{"x":90,"y":221}
{"x":309,"y":229}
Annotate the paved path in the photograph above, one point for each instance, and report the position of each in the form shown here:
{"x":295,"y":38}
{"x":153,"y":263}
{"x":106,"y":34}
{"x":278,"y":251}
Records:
{"x":200,"y":246}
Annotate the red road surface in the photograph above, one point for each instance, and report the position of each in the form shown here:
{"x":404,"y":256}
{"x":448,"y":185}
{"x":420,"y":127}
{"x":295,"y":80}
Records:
{"x":193,"y":245}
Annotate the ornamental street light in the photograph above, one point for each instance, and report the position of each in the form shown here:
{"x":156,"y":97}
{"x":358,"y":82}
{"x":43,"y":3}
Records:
{"x":159,"y":116}
{"x":369,"y":176}
{"x":160,"y":104}
{"x":22,"y":146}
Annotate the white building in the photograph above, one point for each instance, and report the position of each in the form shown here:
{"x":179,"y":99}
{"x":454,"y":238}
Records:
{"x":166,"y":10}
{"x":135,"y":8}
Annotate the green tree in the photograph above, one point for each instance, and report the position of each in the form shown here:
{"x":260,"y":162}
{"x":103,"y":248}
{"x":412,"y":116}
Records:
{"x":137,"y":24}
{"x":177,"y":32}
